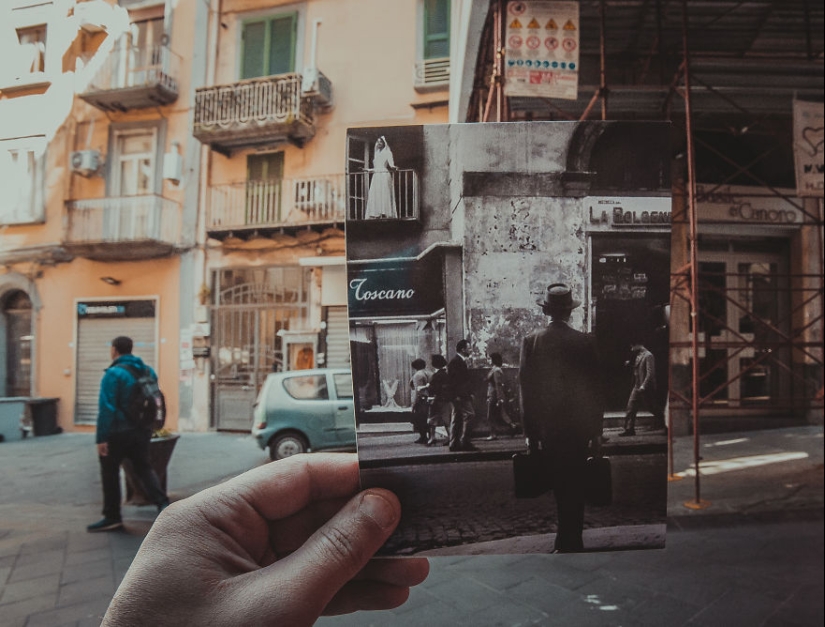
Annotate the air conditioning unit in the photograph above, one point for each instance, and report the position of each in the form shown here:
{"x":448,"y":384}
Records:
{"x":85,"y":162}
{"x":317,"y":86}
{"x":432,"y":74}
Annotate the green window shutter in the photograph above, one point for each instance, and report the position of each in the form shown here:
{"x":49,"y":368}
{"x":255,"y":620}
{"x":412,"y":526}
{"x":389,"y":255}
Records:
{"x":266,"y":167}
{"x":283,"y":31}
{"x":254,"y":47}
{"x":436,"y":29}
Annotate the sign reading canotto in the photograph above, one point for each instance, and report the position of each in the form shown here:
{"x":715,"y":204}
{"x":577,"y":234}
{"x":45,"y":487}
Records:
{"x":379,"y":289}
{"x":745,"y":205}
{"x":645,"y":212}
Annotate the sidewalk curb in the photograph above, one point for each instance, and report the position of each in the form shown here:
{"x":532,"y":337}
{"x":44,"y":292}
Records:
{"x":486,"y":456}
{"x":689,"y":522}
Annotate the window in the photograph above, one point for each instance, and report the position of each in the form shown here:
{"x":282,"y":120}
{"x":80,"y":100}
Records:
{"x":268,"y":46}
{"x":22,"y":165}
{"x":134,"y":162}
{"x":343,"y":385}
{"x":436,"y":29}
{"x":32,"y":49}
{"x":432,"y":70}
{"x":307,"y":387}
{"x":17,"y":314}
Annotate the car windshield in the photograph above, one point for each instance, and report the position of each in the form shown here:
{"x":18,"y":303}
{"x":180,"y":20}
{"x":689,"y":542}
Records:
{"x":307,"y":387}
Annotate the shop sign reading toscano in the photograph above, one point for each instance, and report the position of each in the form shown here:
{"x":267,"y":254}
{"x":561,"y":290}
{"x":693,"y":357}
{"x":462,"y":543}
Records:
{"x":401,"y":288}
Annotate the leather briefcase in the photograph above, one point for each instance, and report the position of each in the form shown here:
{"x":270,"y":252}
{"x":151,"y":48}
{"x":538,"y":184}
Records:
{"x":531,"y":475}
{"x":598,"y":483}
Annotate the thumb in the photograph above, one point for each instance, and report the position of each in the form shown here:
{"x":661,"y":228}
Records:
{"x":335,"y":553}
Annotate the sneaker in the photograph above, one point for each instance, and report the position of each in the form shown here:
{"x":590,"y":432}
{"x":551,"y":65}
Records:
{"x":491,"y":437}
{"x":468,"y":447}
{"x":107,"y":524}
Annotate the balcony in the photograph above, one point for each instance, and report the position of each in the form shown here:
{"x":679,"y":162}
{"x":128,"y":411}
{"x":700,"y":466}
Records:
{"x":254,"y":112}
{"x":402,"y":207}
{"x":134,"y":78}
{"x":262,"y":207}
{"x":123,"y":229}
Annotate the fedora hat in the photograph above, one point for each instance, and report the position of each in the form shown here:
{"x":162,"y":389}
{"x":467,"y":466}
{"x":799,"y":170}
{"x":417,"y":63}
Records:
{"x":559,"y":296}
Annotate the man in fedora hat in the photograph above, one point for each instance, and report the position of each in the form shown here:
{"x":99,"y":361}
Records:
{"x":562,"y":407}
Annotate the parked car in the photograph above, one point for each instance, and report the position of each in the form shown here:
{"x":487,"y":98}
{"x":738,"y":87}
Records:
{"x":305,"y":410}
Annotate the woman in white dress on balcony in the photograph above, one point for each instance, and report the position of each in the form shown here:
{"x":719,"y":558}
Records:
{"x":381,"y":196}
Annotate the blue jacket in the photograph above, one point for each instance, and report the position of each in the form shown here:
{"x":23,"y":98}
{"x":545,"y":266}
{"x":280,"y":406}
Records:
{"x":115,"y":391}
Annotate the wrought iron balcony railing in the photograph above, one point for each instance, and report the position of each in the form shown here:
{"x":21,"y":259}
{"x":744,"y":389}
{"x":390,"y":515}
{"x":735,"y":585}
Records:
{"x":253,"y":112}
{"x":128,"y":227}
{"x":258,"y":204}
{"x":133,"y":77}
{"x":395,"y":196}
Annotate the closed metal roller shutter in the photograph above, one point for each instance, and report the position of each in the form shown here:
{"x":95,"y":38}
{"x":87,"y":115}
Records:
{"x":94,"y":337}
{"x":337,"y":338}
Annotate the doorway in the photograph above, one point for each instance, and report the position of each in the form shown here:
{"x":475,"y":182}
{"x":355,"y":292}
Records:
{"x":744,"y":328}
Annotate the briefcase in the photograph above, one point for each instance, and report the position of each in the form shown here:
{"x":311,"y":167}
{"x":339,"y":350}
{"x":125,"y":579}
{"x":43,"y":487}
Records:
{"x":531,"y":475}
{"x":598,"y":484}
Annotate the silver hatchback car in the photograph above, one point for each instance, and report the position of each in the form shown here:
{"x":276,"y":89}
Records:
{"x":305,"y":410}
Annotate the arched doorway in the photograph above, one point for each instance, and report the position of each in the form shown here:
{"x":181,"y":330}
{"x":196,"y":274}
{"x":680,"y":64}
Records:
{"x":16,"y":338}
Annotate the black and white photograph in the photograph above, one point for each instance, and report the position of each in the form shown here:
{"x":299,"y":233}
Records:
{"x":509,"y":303}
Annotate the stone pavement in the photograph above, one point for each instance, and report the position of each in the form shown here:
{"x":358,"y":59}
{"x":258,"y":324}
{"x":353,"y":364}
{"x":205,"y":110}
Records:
{"x":753,"y":556}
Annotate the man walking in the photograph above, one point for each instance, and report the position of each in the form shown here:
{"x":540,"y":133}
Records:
{"x":643,"y":393}
{"x":119,"y":438}
{"x":562,"y":407}
{"x":463,"y":410}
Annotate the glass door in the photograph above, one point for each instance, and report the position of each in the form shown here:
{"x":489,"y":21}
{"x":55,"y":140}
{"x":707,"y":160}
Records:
{"x":744,"y":328}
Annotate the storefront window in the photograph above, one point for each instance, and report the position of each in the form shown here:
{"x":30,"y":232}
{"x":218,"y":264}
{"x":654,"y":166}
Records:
{"x":17,"y":313}
{"x":630,"y":291}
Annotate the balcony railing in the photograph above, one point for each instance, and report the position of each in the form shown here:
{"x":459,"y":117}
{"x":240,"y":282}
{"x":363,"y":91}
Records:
{"x":401,"y":204}
{"x":129,"y":227}
{"x":253,"y":112}
{"x":288,"y":202}
{"x":134,"y":77}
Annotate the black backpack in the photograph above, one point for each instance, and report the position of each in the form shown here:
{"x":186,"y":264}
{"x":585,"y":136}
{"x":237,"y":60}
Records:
{"x":147,"y":405}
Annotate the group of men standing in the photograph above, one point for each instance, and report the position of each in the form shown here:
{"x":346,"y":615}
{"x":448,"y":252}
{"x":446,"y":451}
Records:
{"x":444,"y":399}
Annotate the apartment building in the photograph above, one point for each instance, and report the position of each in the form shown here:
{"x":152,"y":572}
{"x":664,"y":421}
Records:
{"x":285,"y":81}
{"x":99,"y":194}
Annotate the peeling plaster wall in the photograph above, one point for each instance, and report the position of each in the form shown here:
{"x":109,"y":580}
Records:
{"x":515,"y":244}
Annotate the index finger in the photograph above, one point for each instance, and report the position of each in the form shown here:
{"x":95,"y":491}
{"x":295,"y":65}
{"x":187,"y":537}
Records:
{"x":279,"y":489}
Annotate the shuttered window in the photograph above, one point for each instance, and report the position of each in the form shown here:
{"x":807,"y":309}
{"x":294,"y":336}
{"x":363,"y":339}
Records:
{"x":269,"y":46}
{"x":436,"y":29}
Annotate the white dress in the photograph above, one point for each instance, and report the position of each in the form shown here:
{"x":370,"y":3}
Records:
{"x":381,"y":198}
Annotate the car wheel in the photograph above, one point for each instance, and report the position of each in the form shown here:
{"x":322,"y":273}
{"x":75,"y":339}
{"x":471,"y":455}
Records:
{"x":286,"y":445}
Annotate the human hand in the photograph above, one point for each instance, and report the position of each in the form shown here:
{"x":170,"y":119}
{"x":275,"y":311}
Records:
{"x":103,"y":449}
{"x":278,"y":545}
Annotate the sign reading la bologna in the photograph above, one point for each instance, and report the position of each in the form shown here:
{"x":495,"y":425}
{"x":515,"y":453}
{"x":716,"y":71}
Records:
{"x":398,"y":288}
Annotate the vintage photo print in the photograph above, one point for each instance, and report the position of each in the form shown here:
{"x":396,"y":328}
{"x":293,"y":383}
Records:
{"x":508,"y":290}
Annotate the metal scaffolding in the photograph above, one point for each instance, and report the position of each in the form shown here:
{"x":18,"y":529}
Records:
{"x":778,"y":349}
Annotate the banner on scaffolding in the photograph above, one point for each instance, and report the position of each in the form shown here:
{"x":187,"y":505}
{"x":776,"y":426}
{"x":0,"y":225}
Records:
{"x":541,"y":49}
{"x":808,"y":148}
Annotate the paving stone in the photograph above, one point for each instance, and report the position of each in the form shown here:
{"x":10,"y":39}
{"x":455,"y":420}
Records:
{"x":84,"y":541}
{"x":661,"y":610}
{"x":83,"y":557}
{"x":7,"y":561}
{"x":40,"y":557}
{"x":5,"y":571}
{"x":804,"y":607}
{"x":72,"y":593}
{"x":538,"y":594}
{"x":465,"y":594}
{"x":37,"y":569}
{"x":17,"y":614}
{"x":89,"y":570}
{"x":88,"y":610}
{"x":46,"y":544}
{"x":736,"y":607}
{"x":39,"y":586}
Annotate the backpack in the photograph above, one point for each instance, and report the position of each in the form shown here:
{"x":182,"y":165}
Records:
{"x":146,"y":407}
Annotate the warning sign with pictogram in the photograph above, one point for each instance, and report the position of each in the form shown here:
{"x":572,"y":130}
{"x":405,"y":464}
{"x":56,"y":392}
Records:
{"x":517,"y":8}
{"x":542,"y":65}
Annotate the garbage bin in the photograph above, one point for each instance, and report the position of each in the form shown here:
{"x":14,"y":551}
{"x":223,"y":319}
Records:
{"x":43,"y":413}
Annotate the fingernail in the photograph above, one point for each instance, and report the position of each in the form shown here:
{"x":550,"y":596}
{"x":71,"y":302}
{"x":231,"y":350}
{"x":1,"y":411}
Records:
{"x":379,"y":509}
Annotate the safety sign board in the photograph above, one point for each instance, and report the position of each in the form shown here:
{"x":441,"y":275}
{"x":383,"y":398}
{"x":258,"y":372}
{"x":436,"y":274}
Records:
{"x":541,"y":55}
